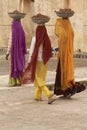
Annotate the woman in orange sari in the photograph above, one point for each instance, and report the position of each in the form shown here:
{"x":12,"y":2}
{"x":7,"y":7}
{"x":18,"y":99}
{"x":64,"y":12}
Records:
{"x":64,"y":82}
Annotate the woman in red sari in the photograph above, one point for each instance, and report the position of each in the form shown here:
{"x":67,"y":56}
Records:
{"x":37,"y":67}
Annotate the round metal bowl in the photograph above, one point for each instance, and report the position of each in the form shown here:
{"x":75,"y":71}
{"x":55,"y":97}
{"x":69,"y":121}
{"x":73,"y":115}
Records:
{"x":17,"y":15}
{"x":40,"y":20}
{"x":64,"y":14}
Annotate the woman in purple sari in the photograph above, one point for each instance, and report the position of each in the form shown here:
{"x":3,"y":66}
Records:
{"x":17,"y":50}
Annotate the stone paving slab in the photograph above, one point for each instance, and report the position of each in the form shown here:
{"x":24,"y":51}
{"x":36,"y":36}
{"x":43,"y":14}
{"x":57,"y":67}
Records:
{"x":19,"y":111}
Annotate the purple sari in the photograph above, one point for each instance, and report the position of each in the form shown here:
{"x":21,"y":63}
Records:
{"x":18,"y":49}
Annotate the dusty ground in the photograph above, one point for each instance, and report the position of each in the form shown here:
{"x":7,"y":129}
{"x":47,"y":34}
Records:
{"x":19,"y":110}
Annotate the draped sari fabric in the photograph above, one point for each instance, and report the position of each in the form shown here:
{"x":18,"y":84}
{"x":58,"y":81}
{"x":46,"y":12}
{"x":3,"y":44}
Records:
{"x":64,"y":82}
{"x":65,"y":35}
{"x":18,"y":49}
{"x":41,"y":38}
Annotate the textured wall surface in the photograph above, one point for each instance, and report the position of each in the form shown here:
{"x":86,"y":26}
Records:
{"x":5,"y":21}
{"x":46,"y":7}
{"x":85,"y":26}
{"x":77,"y":23}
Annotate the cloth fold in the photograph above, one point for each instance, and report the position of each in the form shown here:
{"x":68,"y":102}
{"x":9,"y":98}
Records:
{"x":41,"y":38}
{"x":65,"y":34}
{"x":18,"y":49}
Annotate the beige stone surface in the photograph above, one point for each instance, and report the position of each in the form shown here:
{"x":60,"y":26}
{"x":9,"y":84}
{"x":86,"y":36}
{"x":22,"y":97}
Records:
{"x":19,"y":111}
{"x":47,"y":7}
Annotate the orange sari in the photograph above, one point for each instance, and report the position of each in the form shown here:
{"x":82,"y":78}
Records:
{"x":64,"y":82}
{"x":65,"y":35}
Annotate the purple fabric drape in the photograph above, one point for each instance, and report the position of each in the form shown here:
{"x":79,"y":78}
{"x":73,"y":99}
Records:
{"x":18,"y":49}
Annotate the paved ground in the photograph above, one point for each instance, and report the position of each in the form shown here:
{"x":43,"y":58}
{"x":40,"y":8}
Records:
{"x":19,"y":111}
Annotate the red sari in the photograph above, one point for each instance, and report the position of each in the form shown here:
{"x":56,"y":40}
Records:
{"x":41,"y":38}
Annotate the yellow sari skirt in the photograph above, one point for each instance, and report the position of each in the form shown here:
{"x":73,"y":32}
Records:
{"x":40,"y":80}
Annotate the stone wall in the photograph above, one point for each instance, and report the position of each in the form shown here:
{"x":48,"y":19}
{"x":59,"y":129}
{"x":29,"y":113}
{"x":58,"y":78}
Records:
{"x":46,"y":7}
{"x":5,"y":21}
{"x":77,"y":23}
{"x":85,"y":26}
{"x":27,"y":22}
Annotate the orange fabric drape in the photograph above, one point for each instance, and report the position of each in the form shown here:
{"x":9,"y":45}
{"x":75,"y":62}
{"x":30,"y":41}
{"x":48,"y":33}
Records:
{"x":65,"y":35}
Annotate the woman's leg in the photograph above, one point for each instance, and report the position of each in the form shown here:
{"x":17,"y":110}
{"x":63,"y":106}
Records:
{"x":38,"y":93}
{"x":57,"y":87}
{"x":14,"y":81}
{"x":47,"y":92}
{"x":40,"y":81}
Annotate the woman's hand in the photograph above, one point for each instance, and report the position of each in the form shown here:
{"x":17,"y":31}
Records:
{"x":6,"y":57}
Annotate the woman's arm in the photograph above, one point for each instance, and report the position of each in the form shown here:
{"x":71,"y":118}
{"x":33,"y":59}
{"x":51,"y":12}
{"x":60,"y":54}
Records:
{"x":9,"y":46}
{"x":9,"y":43}
{"x":31,"y":48}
